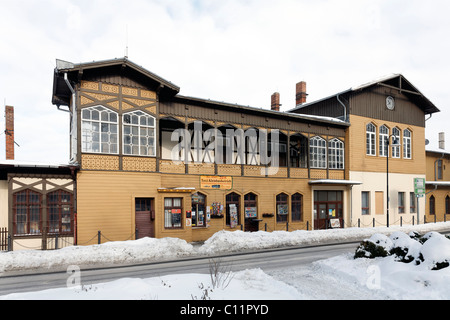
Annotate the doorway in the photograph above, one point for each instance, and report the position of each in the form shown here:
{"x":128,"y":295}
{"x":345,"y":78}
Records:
{"x":328,"y":211}
{"x":145,"y":218}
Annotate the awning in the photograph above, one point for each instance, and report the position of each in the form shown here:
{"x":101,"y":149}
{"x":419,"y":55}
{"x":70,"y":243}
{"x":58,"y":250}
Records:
{"x":438,"y":183}
{"x":335,"y":182}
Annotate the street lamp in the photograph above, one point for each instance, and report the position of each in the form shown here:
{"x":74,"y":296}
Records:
{"x":395,"y":143}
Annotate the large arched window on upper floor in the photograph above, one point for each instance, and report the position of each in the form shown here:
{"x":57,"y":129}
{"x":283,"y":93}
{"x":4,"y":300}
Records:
{"x":336,"y":154}
{"x":139,"y":134}
{"x":396,"y":143}
{"x":407,"y":152}
{"x":318,"y":153}
{"x":371,"y":144}
{"x":383,"y":141}
{"x":99,"y":132}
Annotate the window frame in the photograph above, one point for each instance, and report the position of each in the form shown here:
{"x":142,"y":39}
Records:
{"x":59,"y":205}
{"x":371,"y":142}
{"x":28,"y":206}
{"x":336,"y":154}
{"x":407,"y":144}
{"x":365,"y":210}
{"x":383,"y":139}
{"x":412,"y":202}
{"x":396,"y":152}
{"x":284,"y":217}
{"x":88,"y":133}
{"x":432,"y":205}
{"x":170,"y":215}
{"x":297,"y":207}
{"x":318,"y":153}
{"x":197,"y":205}
{"x":401,"y":202}
{"x":151,"y":150}
{"x":232,"y":198}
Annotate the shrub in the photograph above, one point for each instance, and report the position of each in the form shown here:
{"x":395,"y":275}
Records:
{"x":368,"y":249}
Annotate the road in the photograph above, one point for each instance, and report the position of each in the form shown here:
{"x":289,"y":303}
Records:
{"x":267,"y":260}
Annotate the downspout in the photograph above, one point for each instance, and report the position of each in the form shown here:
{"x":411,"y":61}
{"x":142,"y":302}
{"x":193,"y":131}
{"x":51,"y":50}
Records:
{"x":343,"y":105}
{"x":73,"y":124}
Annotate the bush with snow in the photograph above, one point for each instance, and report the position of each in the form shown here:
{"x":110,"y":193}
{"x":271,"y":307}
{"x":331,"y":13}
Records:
{"x":431,"y":249}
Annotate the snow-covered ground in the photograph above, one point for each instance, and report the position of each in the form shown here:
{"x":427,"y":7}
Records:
{"x":340,"y":277}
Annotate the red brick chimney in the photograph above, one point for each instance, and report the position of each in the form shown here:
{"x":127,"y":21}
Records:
{"x":275,"y":104}
{"x":9,"y":132}
{"x":300,"y":93}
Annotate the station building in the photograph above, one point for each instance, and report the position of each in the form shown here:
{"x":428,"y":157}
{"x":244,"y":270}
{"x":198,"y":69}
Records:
{"x":146,"y":161}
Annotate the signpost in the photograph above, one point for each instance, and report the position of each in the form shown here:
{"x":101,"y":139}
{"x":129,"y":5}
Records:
{"x":419,"y":191}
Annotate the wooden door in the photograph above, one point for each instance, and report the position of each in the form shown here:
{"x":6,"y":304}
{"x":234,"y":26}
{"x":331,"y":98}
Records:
{"x":145,"y":219}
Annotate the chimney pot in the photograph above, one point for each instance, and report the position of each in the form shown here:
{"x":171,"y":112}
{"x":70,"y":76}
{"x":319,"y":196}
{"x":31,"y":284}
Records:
{"x":9,"y":132}
{"x":275,"y":103}
{"x":300,"y":93}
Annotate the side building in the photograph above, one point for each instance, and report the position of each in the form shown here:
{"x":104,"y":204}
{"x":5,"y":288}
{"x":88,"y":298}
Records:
{"x":385,"y":147}
{"x":437,"y":186}
{"x":156,"y":163}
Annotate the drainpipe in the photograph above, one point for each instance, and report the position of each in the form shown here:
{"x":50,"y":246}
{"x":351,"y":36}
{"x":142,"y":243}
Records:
{"x":73,"y":129}
{"x":343,"y":105}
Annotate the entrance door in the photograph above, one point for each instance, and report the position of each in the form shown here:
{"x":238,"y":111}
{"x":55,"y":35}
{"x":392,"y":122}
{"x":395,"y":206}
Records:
{"x":328,"y":209}
{"x":145,"y":218}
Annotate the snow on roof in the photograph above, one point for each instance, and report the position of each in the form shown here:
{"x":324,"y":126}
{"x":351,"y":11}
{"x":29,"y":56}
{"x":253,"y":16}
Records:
{"x":32,"y":164}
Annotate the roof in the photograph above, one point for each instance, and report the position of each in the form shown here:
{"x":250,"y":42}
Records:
{"x":273,"y":113}
{"x":61,"y":93}
{"x":29,"y":167}
{"x":393,"y":81}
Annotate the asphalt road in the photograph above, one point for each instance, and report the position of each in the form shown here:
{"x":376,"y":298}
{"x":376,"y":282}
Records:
{"x":266,"y":260}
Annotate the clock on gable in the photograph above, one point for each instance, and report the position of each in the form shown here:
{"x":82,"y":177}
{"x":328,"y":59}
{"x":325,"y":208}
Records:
{"x":390,"y":103}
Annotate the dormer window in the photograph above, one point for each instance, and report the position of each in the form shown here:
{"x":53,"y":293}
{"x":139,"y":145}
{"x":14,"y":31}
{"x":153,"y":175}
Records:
{"x":99,"y":132}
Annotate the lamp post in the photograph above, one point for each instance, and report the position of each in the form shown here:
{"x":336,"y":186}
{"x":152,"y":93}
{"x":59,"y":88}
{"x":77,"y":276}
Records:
{"x":395,"y":143}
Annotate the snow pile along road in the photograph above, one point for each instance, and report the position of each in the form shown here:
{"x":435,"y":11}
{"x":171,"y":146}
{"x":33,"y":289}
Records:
{"x":411,"y":268}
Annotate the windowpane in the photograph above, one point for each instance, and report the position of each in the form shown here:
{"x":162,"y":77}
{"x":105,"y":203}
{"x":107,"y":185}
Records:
{"x":137,"y":127}
{"x":98,"y":128}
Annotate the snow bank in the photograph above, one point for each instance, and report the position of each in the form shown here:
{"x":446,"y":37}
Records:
{"x":149,"y":249}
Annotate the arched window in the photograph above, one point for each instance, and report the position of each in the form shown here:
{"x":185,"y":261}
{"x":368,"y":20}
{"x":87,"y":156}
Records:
{"x":99,"y":130}
{"x":396,"y":140}
{"x":432,"y":205}
{"x":27,"y":212}
{"x":383,"y":141}
{"x":232,"y":204}
{"x":370,"y":140}
{"x":60,"y":212}
{"x":139,"y":134}
{"x":282,"y":207}
{"x":198,"y":212}
{"x":406,"y":144}
{"x":318,"y":152}
{"x":336,"y":154}
{"x":297,"y":207}
{"x":251,"y":205}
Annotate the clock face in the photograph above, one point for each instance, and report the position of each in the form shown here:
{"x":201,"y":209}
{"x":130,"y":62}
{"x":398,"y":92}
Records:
{"x":390,"y":103}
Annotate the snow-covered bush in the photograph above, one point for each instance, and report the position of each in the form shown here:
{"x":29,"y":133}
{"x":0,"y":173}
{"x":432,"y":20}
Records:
{"x":431,"y":249}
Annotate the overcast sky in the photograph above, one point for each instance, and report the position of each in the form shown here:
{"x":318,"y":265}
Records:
{"x":238,"y":51}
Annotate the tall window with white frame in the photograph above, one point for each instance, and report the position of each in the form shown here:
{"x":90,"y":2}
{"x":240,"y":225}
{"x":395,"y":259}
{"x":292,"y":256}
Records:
{"x":99,"y":132}
{"x":383,"y":141}
{"x":318,"y":152}
{"x":396,"y":148}
{"x":407,"y":144}
{"x":138,"y":134}
{"x":336,"y":154}
{"x":370,"y":140}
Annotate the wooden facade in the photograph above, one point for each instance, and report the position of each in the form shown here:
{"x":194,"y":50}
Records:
{"x":127,"y":188}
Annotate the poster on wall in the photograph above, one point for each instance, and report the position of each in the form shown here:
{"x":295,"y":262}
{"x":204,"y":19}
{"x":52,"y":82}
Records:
{"x":233,"y":215}
{"x":250,"y":212}
{"x":283,"y":209}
